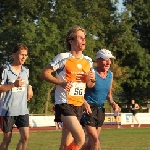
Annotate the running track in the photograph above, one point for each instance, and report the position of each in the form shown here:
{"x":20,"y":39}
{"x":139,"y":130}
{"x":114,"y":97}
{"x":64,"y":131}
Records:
{"x":35,"y":129}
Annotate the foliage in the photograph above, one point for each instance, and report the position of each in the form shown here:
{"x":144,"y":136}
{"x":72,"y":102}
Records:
{"x":42,"y":25}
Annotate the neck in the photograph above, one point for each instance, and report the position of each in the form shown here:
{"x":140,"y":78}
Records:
{"x":101,"y":71}
{"x":76,"y":54}
{"x":16,"y":67}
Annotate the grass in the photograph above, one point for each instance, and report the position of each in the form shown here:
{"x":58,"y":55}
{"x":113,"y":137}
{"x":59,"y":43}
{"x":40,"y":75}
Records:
{"x":111,"y":139}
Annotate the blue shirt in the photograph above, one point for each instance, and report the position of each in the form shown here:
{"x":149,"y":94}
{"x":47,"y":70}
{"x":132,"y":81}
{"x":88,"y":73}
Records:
{"x":98,"y":94}
{"x":15,"y":100}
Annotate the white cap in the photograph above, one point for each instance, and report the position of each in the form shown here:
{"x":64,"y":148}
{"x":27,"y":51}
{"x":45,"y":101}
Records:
{"x":105,"y":54}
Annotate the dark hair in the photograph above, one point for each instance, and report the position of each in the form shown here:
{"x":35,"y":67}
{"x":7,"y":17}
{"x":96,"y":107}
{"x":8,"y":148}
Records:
{"x":19,"y":47}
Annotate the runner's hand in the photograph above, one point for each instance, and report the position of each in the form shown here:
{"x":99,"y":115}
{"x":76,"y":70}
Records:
{"x":66,"y":85}
{"x":91,"y":75}
{"x":87,"y":107}
{"x":29,"y":92}
{"x":19,"y":82}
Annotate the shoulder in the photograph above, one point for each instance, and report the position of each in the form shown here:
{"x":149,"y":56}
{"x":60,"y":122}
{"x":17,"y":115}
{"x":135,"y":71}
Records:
{"x":2,"y":68}
{"x":62,"y":56}
{"x":110,"y":74}
{"x":25,"y":70}
{"x":88,"y":58}
{"x":25,"y":67}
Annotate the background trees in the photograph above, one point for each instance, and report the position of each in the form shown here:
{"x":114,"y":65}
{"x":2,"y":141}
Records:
{"x":42,"y":26}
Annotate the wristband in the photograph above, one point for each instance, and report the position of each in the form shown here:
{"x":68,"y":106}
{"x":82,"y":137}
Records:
{"x":93,"y":81}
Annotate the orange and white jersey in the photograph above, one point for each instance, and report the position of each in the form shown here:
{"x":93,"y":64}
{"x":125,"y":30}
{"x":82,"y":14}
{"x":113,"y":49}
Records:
{"x":67,"y":68}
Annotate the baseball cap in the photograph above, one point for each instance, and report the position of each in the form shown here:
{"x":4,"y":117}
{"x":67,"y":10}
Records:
{"x":105,"y":54}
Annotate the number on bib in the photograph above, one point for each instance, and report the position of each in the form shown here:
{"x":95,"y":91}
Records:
{"x":78,"y":91}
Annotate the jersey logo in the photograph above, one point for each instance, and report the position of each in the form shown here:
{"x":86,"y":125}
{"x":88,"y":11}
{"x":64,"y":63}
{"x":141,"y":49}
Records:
{"x":79,"y":66}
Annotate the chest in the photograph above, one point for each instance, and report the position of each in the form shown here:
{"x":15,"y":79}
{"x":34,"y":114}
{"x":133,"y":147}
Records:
{"x":11,"y":77}
{"x":74,"y":67}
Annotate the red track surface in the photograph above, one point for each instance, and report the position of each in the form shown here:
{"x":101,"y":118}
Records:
{"x":35,"y":129}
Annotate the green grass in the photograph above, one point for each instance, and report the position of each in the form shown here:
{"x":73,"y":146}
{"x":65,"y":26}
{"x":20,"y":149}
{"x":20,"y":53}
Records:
{"x":111,"y":139}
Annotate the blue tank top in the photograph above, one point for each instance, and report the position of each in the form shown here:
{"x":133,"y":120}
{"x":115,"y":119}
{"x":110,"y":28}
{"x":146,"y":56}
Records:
{"x":98,"y":94}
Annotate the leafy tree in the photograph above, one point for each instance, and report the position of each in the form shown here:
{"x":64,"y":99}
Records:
{"x":133,"y":50}
{"x":25,"y":22}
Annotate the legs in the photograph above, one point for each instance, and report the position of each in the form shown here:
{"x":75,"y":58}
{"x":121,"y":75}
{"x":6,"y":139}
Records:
{"x":6,"y":140}
{"x":66,"y":138}
{"x":24,"y":136}
{"x":134,"y":117}
{"x":93,"y":135}
{"x":74,"y":132}
{"x":56,"y":124}
{"x":117,"y":121}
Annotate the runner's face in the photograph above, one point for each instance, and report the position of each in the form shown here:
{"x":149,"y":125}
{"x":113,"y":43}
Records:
{"x":20,"y":57}
{"x":132,"y":101}
{"x":78,"y":43}
{"x":104,"y":64}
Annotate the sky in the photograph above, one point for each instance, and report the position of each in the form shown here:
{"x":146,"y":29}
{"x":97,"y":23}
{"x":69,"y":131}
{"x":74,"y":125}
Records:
{"x":120,"y":5}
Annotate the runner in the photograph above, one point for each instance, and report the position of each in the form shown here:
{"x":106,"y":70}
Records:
{"x":134,"y":107}
{"x":14,"y":86}
{"x":117,"y":110}
{"x":96,"y":97}
{"x":72,"y":72}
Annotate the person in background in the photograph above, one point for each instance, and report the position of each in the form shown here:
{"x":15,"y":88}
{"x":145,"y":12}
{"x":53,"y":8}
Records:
{"x":117,"y":110}
{"x":96,"y":94}
{"x":134,"y":107}
{"x":14,"y":88}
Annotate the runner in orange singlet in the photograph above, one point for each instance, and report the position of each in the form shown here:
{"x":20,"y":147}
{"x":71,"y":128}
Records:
{"x":73,"y":71}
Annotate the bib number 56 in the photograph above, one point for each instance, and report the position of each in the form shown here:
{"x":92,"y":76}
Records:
{"x":78,"y":91}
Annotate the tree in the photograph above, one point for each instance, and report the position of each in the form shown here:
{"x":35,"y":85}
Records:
{"x":25,"y":22}
{"x":134,"y":47}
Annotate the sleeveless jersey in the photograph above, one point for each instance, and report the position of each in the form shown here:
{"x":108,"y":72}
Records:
{"x":67,"y":68}
{"x":98,"y":94}
{"x":133,"y":110}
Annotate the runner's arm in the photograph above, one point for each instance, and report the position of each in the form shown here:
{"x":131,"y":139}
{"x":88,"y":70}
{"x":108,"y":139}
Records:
{"x":137,"y":106}
{"x":109,"y":95}
{"x":90,"y":79}
{"x":48,"y":77}
{"x":7,"y":87}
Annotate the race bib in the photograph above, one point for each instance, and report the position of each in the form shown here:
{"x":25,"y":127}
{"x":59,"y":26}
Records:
{"x":78,"y":89}
{"x":18,"y":89}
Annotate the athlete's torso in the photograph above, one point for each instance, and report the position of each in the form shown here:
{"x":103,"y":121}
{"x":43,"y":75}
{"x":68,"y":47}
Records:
{"x":67,"y":68}
{"x":14,"y":100}
{"x":133,"y":110}
{"x":98,"y":94}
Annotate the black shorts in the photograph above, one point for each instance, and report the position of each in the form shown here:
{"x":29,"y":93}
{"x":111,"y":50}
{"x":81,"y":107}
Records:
{"x":96,"y":118}
{"x":67,"y":110}
{"x":7,"y":122}
{"x":134,"y":112}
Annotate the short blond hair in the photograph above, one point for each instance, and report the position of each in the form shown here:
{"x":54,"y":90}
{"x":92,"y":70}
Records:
{"x":71,"y":33}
